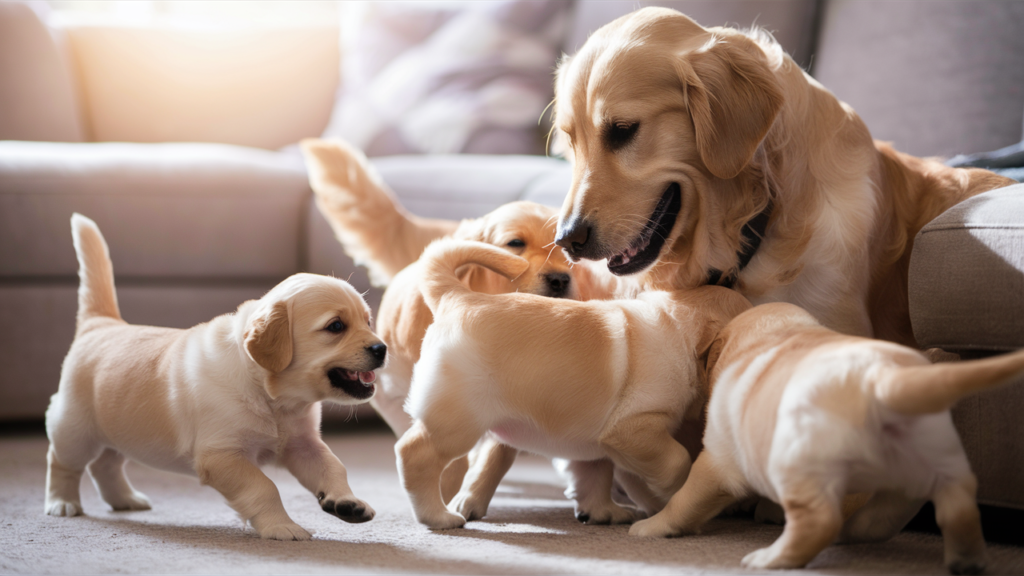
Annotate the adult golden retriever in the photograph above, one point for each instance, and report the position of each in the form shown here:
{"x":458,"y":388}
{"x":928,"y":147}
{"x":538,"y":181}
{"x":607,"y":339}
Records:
{"x":708,"y":156}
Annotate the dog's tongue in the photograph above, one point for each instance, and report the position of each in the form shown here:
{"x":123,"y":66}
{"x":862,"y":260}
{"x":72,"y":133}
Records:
{"x":367,"y":377}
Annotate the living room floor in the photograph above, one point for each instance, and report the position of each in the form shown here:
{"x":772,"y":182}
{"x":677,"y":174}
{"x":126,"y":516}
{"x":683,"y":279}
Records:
{"x":530,"y":530}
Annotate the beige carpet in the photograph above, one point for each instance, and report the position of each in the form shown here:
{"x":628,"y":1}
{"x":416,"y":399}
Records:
{"x":531,"y":530}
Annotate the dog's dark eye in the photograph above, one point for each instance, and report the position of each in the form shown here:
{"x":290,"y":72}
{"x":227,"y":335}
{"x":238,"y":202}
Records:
{"x":619,"y":134}
{"x":335,"y":327}
{"x":517,"y":243}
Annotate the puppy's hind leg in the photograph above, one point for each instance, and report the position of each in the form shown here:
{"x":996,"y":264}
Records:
{"x":108,"y":476}
{"x":881,"y":518}
{"x":72,"y":447}
{"x":590,"y":485}
{"x":422,"y":457}
{"x":956,"y":512}
{"x":643,"y":444}
{"x":490,"y":462}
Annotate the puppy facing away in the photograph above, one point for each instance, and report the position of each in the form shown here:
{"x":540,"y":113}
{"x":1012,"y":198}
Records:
{"x":584,"y":381}
{"x":804,"y":415}
{"x":217,"y":400}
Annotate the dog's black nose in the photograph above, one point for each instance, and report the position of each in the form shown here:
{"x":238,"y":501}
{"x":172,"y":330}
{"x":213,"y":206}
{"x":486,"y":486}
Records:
{"x":558,"y":283}
{"x":573,"y":237}
{"x":379,"y":351}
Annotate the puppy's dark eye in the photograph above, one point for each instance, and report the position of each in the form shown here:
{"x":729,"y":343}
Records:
{"x":517,"y":243}
{"x":335,"y":327}
{"x":618,"y":134}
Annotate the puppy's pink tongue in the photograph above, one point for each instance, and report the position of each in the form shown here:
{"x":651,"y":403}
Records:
{"x":367,"y":377}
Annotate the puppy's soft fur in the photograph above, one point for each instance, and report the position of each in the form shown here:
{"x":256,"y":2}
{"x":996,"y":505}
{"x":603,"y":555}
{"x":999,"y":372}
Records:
{"x":804,"y":415}
{"x":578,"y":380}
{"x":217,"y":400}
{"x":680,"y":135}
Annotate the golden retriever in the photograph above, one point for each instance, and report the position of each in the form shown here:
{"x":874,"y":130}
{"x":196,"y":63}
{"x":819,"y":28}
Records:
{"x":804,"y":415}
{"x":708,"y":156}
{"x":584,"y":381}
{"x":217,"y":400}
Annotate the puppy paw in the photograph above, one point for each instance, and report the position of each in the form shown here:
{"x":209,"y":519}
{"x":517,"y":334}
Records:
{"x":348,"y":508}
{"x":468,"y":505}
{"x":443,"y":521}
{"x":966,"y":565}
{"x":58,"y":507}
{"x":653,"y":527}
{"x":611,"y":513}
{"x":769,"y":558}
{"x":133,"y":501}
{"x":287,"y":531}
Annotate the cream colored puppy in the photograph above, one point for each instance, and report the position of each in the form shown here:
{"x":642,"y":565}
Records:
{"x":578,"y":380}
{"x":804,"y":416}
{"x":217,"y":400}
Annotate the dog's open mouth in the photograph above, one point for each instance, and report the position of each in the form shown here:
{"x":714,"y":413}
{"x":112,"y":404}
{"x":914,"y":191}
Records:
{"x":644,"y":250}
{"x":358,"y":385}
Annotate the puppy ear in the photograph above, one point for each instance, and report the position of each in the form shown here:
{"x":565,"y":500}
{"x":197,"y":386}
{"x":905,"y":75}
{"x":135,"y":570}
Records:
{"x":733,"y":98}
{"x":268,"y":340}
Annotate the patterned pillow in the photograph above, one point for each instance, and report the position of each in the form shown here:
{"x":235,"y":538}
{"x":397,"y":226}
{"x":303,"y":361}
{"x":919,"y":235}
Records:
{"x":447,"y":77}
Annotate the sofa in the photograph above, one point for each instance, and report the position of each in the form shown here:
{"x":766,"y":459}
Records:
{"x":180,"y":143}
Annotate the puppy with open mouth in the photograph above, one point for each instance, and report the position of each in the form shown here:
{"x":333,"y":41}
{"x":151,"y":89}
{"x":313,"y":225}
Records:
{"x":600,"y":381}
{"x":805,"y":415}
{"x":217,"y":400}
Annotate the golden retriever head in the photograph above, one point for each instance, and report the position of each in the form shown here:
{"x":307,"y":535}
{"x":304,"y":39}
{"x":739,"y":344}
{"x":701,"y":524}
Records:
{"x":312,"y":336}
{"x":663,"y":120}
{"x":527,"y":230}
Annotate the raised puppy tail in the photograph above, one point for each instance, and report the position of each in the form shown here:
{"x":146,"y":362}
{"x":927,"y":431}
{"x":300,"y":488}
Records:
{"x":442,"y":259}
{"x":936,"y":387}
{"x":372,"y":227}
{"x":96,"y":295}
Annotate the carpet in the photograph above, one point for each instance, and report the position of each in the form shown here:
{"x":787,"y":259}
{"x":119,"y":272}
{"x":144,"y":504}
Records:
{"x":530,"y":530}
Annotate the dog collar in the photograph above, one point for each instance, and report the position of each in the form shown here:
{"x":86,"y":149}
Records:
{"x":753,"y":233}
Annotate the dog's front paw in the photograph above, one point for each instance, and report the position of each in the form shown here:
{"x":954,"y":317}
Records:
{"x":285,"y":531}
{"x":468,"y":505}
{"x":611,"y":513}
{"x":769,"y":558}
{"x":966,"y":566}
{"x":443,"y":521}
{"x":653,"y":527}
{"x":348,"y":508}
{"x":133,"y":501}
{"x":58,"y":507}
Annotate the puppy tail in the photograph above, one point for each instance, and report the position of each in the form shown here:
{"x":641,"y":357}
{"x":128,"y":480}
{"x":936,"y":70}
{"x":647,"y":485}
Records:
{"x":936,"y":387}
{"x":372,"y":227}
{"x":442,"y":259}
{"x":96,"y":295}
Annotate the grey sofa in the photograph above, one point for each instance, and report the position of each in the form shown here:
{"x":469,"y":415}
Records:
{"x":203,"y":214}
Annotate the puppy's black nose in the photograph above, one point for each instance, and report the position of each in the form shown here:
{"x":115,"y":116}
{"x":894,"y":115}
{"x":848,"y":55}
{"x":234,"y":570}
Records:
{"x":573,"y":237}
{"x":558,"y":283}
{"x":379,"y":351}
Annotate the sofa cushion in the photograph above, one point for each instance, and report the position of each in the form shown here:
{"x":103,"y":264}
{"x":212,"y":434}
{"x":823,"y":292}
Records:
{"x":173,"y":211}
{"x":967,"y":275}
{"x":935,"y":78}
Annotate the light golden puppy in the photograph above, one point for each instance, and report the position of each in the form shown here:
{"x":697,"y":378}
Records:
{"x":579,"y":380}
{"x":804,"y":415}
{"x":218,"y":400}
{"x":708,"y":156}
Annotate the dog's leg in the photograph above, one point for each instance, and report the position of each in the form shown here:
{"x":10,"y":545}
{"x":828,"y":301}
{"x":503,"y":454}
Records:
{"x":702,"y":497}
{"x":108,"y":476}
{"x":639,"y":492}
{"x":251,"y":494}
{"x":956,"y":512}
{"x":422,"y":457}
{"x":881,"y":518}
{"x":813,"y":520}
{"x":64,"y":477}
{"x":313,"y":464}
{"x":644,"y":445}
{"x":490,"y":462}
{"x":452,"y":477}
{"x":590,"y":485}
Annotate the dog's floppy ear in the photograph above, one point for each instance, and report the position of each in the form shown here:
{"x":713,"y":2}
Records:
{"x":733,"y":98}
{"x":268,"y":340}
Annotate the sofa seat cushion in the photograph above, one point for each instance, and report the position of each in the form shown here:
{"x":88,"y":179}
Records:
{"x":967,"y":275}
{"x":172,"y":211}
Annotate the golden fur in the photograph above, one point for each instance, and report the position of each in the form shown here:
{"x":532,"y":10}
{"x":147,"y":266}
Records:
{"x":653,"y":98}
{"x":805,"y":415}
{"x":217,"y":400}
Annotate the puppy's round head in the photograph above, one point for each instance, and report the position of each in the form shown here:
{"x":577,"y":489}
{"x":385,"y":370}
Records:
{"x":312,"y":336}
{"x":661,"y":119}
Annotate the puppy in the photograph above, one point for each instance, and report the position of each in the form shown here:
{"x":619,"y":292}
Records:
{"x":577,"y":380}
{"x":706,"y":155}
{"x":218,"y":400}
{"x":804,"y":415}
